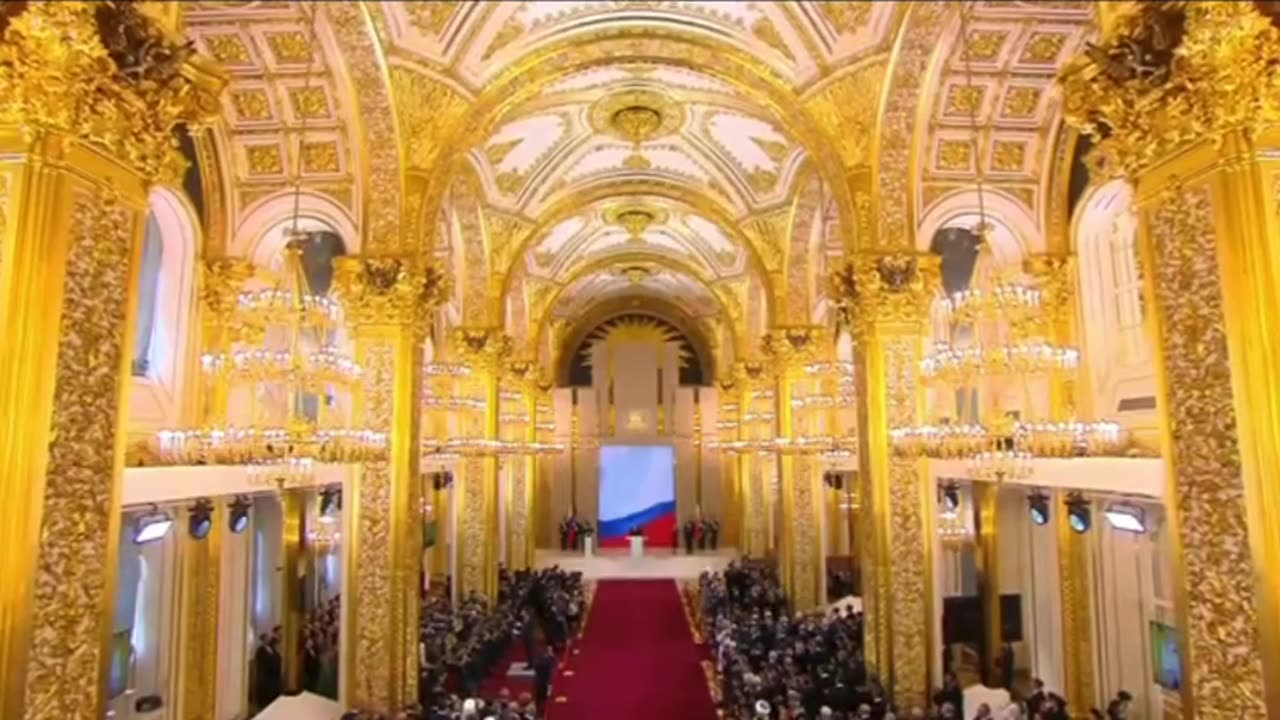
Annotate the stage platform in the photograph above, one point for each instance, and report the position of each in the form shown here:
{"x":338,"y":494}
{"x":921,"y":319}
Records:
{"x":656,"y":563}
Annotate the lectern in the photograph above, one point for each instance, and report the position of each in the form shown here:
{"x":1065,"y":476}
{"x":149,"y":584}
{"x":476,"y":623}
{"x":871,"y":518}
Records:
{"x":588,"y":545}
{"x":637,"y":545}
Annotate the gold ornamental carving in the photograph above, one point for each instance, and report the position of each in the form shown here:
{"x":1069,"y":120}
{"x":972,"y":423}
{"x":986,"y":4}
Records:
{"x":886,"y":288}
{"x":1203,"y":450}
{"x":1055,"y":275}
{"x":486,"y":348}
{"x":72,"y":588}
{"x":637,"y":115}
{"x":790,"y":348}
{"x":389,"y":290}
{"x":1170,"y":74}
{"x":221,"y":281}
{"x":107,"y":74}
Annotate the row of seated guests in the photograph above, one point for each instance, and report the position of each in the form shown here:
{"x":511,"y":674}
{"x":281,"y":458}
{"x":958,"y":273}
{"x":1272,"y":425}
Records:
{"x":573,"y":532}
{"x":700,"y":535}
{"x":776,"y":666}
{"x":461,"y":646}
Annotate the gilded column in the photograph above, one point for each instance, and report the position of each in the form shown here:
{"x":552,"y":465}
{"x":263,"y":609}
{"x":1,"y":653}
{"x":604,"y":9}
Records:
{"x":293,"y":513}
{"x":198,"y":629}
{"x":889,"y":297}
{"x":1056,"y":277}
{"x":520,"y":526}
{"x":750,"y":377}
{"x":486,"y":349}
{"x":388,"y":300}
{"x":84,"y":131}
{"x":800,"y":551}
{"x":1207,"y":174}
{"x":986,"y":505}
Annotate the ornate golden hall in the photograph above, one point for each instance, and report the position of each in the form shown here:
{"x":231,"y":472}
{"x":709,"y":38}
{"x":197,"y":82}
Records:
{"x":343,"y":337}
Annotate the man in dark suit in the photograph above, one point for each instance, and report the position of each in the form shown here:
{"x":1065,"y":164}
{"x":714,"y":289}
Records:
{"x":1037,"y":697}
{"x":713,"y":533}
{"x":543,"y":668}
{"x":266,"y":672}
{"x":688,"y":537}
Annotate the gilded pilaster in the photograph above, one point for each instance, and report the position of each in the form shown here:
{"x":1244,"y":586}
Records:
{"x":388,"y":300}
{"x":293,"y":512}
{"x":519,"y":510}
{"x":1205,"y":169}
{"x":987,"y":504}
{"x":750,"y":376}
{"x":83,"y":132}
{"x":889,"y":297}
{"x":486,"y":350}
{"x":800,"y":552}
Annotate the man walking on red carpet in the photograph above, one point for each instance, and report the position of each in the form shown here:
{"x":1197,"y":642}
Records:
{"x":543,"y":668}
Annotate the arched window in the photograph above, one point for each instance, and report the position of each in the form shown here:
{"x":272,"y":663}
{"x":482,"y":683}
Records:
{"x":148,"y":294}
{"x":1111,"y":295}
{"x":1127,"y":287}
{"x":958,"y":248}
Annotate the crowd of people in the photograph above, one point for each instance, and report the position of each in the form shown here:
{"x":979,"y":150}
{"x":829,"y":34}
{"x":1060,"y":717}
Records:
{"x":462,"y":645}
{"x":773,"y":665}
{"x":700,"y":534}
{"x":574,"y":533}
{"x":320,"y":648}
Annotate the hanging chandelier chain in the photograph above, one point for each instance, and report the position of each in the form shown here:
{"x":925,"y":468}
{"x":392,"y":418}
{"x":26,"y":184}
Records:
{"x":303,"y":115}
{"x":974,"y":135}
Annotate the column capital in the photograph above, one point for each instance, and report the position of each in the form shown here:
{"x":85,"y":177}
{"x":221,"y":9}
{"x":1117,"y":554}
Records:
{"x":221,"y":280}
{"x":747,"y":373}
{"x":117,"y":81}
{"x":485,"y":348}
{"x":389,"y":289}
{"x":1171,"y":74}
{"x":887,"y":287}
{"x":790,"y":347}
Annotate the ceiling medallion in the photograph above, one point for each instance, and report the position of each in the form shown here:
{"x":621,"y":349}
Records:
{"x":635,"y":274}
{"x":635,"y":219}
{"x":637,"y":115}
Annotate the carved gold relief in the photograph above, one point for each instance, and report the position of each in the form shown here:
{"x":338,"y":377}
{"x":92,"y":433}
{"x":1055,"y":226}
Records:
{"x":767,"y":33}
{"x":1021,"y":101}
{"x":964,"y":99}
{"x":1203,"y":451}
{"x":389,"y":290}
{"x":985,"y":45}
{"x":309,"y":103}
{"x":430,"y":18}
{"x":289,"y":48}
{"x":1043,"y":48}
{"x":845,"y":16}
{"x":71,"y":591}
{"x":1224,"y":80}
{"x":227,"y":48}
{"x":382,"y":189}
{"x":497,"y":152}
{"x":895,"y":212}
{"x":264,"y":159}
{"x":846,"y":111}
{"x":122,"y":92}
{"x":955,"y":155}
{"x":510,"y":31}
{"x":320,"y":157}
{"x":251,"y":104}
{"x":1008,"y":156}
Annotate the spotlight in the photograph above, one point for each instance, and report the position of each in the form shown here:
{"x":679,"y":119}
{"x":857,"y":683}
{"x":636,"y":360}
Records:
{"x":1127,"y":517}
{"x":151,"y":527}
{"x":951,"y":497}
{"x":238,"y":514}
{"x":200,"y":519}
{"x":1038,"y":504}
{"x":1079,"y":516}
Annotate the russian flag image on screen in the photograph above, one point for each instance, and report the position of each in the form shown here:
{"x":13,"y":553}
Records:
{"x":637,"y":490}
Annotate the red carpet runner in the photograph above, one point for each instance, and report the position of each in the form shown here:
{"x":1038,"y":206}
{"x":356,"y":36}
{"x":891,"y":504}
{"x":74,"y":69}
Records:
{"x":636,"y":660}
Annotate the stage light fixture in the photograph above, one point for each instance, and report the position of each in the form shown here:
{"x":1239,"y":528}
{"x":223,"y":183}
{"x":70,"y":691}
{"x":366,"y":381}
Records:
{"x":151,"y":527}
{"x":200,"y":519}
{"x":951,"y":497}
{"x":1127,"y":518}
{"x":238,"y":514}
{"x":1079,"y":515}
{"x":1038,"y":505}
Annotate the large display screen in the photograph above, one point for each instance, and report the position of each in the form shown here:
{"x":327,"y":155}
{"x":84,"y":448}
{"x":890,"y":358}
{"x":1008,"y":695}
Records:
{"x":637,"y":494}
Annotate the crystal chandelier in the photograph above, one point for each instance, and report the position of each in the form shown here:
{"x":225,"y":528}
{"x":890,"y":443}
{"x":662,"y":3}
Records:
{"x":298,"y":381}
{"x":295,"y":377}
{"x":996,"y":344}
{"x":953,"y":531}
